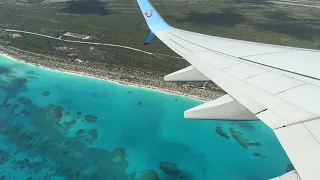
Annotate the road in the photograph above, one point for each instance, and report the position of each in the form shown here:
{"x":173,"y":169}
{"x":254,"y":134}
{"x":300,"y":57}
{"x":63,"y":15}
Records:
{"x":294,"y":3}
{"x":92,"y":43}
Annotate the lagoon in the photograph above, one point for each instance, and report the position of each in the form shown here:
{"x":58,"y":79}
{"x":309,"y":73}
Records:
{"x":55,"y":125}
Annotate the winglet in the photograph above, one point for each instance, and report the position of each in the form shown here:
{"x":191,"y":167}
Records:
{"x":150,"y":37}
{"x":152,"y":17}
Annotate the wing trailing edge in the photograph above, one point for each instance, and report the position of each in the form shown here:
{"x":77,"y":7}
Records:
{"x":189,"y":73}
{"x":223,"y":108}
{"x":292,"y":175}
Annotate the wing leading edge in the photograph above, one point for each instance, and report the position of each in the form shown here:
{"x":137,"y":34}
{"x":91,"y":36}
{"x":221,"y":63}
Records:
{"x":279,"y":85}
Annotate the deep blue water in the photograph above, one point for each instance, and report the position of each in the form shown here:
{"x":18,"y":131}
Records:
{"x":59,"y":126}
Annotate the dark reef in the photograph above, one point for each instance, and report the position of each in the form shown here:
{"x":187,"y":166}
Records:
{"x":221,"y":132}
{"x":46,"y":93}
{"x":91,"y":118}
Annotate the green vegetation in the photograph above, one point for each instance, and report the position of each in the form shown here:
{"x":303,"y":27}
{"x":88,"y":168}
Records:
{"x":121,"y":22}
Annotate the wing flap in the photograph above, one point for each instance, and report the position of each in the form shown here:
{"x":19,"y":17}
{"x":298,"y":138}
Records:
{"x":306,"y":96}
{"x":292,"y":114}
{"x":271,"y":119}
{"x":292,"y":175}
{"x":313,"y":127}
{"x":302,"y":148}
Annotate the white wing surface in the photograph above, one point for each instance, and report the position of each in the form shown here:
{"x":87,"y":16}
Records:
{"x":277,"y":84}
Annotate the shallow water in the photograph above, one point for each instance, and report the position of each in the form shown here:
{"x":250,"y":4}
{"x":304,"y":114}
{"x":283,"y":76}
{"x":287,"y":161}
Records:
{"x":59,"y":126}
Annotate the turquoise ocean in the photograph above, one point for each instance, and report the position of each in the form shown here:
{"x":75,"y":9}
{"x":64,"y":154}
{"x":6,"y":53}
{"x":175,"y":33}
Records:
{"x":59,"y":126}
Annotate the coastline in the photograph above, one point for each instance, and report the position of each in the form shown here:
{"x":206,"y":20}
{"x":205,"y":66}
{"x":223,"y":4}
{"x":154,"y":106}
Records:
{"x":112,"y":80}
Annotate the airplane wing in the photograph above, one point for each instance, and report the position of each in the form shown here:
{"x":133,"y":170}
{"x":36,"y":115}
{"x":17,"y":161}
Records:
{"x":279,"y":85}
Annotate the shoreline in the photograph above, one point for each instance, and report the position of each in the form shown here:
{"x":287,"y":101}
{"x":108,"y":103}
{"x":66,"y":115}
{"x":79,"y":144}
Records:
{"x":104,"y":78}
